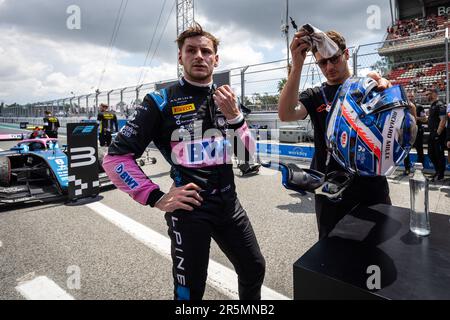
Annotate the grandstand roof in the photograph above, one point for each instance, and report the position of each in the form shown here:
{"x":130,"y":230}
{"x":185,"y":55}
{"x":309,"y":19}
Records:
{"x":408,"y":9}
{"x":436,"y":2}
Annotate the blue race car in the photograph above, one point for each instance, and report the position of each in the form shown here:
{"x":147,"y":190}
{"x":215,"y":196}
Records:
{"x":35,"y":170}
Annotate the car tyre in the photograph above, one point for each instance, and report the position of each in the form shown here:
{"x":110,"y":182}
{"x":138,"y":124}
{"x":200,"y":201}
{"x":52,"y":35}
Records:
{"x":5,"y":172}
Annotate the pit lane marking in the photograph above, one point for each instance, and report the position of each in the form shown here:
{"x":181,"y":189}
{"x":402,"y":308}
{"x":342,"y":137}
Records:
{"x":42,"y":288}
{"x":220,"y":277}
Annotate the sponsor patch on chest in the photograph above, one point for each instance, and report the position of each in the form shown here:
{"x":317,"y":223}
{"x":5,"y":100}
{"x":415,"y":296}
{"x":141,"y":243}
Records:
{"x":183,"y":109}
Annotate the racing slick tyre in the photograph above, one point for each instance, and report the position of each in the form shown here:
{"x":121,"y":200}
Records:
{"x":5,"y":172}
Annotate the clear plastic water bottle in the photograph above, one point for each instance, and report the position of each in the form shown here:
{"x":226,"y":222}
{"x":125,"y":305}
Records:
{"x":420,"y":219}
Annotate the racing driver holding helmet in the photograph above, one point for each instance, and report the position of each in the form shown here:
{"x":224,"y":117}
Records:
{"x":317,"y":102}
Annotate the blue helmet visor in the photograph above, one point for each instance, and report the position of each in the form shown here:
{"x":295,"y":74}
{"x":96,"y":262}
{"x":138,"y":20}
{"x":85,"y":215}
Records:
{"x":390,"y":98}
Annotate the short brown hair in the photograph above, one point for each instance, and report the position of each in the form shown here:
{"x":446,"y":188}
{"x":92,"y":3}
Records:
{"x":194,"y":31}
{"x":337,"y":38}
{"x":104,"y":105}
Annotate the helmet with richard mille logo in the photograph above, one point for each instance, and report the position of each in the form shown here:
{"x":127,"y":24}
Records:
{"x":370,"y":132}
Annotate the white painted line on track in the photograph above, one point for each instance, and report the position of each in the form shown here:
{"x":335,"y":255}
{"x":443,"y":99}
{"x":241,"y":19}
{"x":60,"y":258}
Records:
{"x":42,"y":288}
{"x":220,"y":277}
{"x":1,"y":244}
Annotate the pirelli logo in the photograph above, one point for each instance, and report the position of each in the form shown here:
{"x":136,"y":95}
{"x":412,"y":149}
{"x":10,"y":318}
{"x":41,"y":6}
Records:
{"x":183,"y":109}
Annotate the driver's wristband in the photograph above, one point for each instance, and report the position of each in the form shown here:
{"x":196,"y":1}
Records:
{"x":236,"y":120}
{"x":154,"y":197}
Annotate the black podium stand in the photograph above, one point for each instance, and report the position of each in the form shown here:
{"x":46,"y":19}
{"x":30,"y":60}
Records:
{"x":410,"y":267}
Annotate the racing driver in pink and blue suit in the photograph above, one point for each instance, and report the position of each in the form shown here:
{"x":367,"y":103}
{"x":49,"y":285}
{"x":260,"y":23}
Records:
{"x":190,"y":123}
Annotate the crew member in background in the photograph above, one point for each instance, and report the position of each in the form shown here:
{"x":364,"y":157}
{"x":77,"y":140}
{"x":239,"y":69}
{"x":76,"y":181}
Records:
{"x":448,"y":132}
{"x":437,"y":121}
{"x":421,"y":119}
{"x":51,"y":125}
{"x":108,"y":125}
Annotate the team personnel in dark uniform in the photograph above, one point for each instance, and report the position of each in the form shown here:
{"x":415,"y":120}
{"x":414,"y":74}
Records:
{"x":316,"y":103}
{"x":186,"y":125}
{"x":448,"y":133}
{"x":437,"y":121}
{"x":108,"y":125}
{"x":51,"y":125}
{"x":421,"y":119}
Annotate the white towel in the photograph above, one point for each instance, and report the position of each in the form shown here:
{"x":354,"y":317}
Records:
{"x":319,"y":39}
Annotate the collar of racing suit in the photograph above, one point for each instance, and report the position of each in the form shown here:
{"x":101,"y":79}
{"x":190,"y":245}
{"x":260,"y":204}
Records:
{"x":196,"y":84}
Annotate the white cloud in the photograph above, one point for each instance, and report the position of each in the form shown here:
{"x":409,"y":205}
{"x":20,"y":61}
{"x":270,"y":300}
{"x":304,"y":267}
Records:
{"x":236,"y":46}
{"x":237,"y":55}
{"x":33,"y":69}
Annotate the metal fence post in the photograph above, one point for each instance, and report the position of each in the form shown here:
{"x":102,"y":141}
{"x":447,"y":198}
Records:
{"x":138,"y":89}
{"x":121,"y":108}
{"x":355,"y":61}
{"x":108,"y":97}
{"x":243,"y":84}
{"x":87,"y":106}
{"x":71,"y":105}
{"x":97,"y":93}
{"x":79,"y":104}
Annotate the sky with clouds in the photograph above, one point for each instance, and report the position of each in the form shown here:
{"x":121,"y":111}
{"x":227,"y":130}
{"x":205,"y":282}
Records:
{"x":41,"y":59}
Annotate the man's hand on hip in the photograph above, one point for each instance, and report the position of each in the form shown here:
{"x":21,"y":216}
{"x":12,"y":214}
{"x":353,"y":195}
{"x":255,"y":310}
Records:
{"x":182,"y":198}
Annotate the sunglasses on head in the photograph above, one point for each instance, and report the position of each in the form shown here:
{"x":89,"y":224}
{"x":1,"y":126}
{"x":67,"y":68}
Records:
{"x":334,"y":60}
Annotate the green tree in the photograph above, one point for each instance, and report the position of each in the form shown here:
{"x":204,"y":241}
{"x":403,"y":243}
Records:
{"x":247,"y":101}
{"x":281,"y":84}
{"x":381,"y":66}
{"x":267,"y":99}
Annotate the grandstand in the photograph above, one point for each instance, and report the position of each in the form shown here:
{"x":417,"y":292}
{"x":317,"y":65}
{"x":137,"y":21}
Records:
{"x":420,"y":78}
{"x":415,"y":44}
